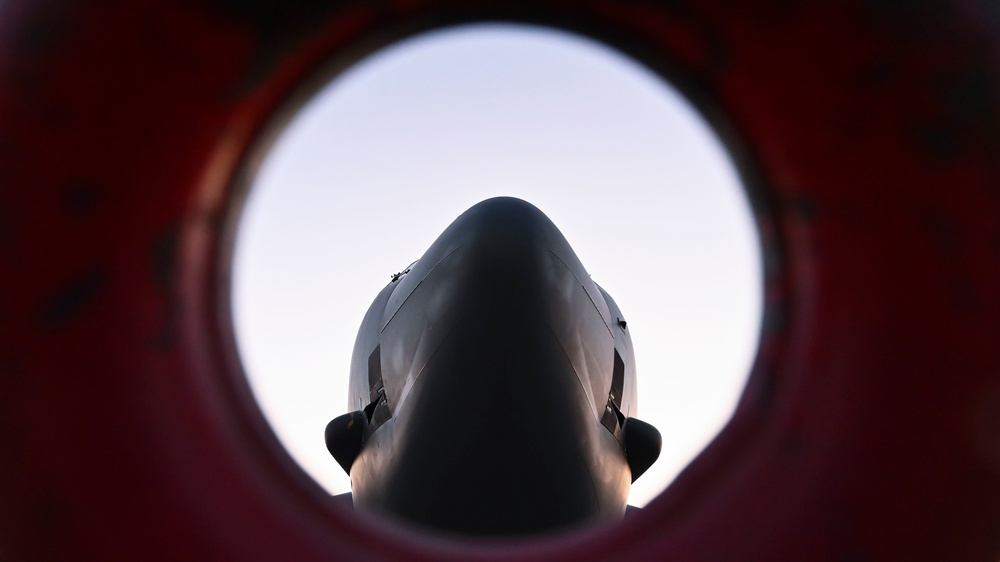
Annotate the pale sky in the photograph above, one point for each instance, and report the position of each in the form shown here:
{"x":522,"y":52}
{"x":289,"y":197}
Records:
{"x":383,"y":158}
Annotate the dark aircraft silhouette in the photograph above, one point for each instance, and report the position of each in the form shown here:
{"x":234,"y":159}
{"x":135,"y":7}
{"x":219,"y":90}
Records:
{"x":493,"y":384}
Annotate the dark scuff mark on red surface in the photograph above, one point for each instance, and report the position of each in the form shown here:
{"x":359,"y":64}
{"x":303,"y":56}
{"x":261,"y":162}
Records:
{"x":280,"y":27}
{"x":81,"y":198}
{"x":911,"y":20}
{"x":946,"y":238}
{"x":51,"y":514}
{"x":14,"y":376}
{"x":803,"y":207}
{"x":163,"y":266}
{"x":73,"y":298}
{"x":8,"y":229}
{"x":936,"y":140}
{"x":49,"y":30}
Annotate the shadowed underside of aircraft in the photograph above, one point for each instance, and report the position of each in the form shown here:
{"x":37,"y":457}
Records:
{"x":492,"y":386}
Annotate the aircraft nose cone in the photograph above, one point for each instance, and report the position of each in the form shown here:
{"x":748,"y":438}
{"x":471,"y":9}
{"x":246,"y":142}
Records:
{"x":495,"y":356}
{"x":497,"y":235}
{"x":503,"y":255}
{"x":508,"y":230}
{"x":507,"y":246}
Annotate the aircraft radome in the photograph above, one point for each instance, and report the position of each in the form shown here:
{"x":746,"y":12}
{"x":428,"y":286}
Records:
{"x":493,"y":386}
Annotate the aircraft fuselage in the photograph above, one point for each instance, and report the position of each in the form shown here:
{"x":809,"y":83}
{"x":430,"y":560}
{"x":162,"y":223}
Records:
{"x":491,"y":383}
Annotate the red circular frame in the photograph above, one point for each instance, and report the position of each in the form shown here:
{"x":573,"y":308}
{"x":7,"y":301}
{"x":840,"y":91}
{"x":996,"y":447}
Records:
{"x":869,"y":430}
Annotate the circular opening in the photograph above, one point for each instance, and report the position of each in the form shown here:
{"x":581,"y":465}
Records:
{"x":374,"y":167}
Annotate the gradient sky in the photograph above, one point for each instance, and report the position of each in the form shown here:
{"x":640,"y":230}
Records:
{"x":377,"y":164}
